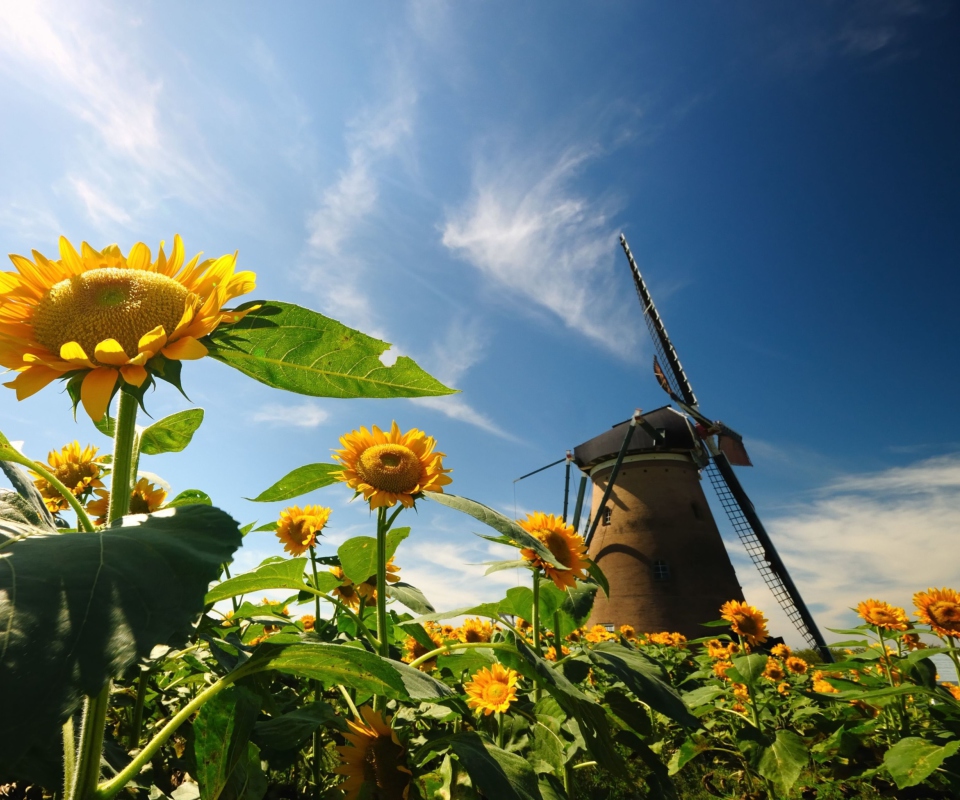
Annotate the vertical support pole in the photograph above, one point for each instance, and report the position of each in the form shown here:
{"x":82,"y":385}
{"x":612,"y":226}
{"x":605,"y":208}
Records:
{"x":613,"y":475}
{"x":566,"y":486}
{"x":578,"y":508}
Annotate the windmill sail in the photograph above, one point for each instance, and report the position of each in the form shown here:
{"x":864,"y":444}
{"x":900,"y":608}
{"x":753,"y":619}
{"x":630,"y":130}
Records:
{"x":729,"y":449}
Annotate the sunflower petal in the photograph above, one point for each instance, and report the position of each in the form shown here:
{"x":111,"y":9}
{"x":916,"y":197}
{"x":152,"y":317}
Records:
{"x":32,"y":380}
{"x":73,"y":353}
{"x":133,"y":374}
{"x":185,"y":349}
{"x":139,"y":257}
{"x":110,"y":351}
{"x":152,"y":341}
{"x":70,"y":257}
{"x":96,"y":391}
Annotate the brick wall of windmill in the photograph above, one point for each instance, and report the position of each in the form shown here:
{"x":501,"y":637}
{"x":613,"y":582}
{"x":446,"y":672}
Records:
{"x":661,"y":550}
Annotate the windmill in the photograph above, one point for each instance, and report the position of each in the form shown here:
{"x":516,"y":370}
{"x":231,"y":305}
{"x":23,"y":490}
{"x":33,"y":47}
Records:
{"x":644,"y":493}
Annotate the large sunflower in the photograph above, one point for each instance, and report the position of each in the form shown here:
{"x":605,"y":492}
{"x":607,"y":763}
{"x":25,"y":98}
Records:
{"x":374,"y":756}
{"x":368,"y":589}
{"x":392,"y":467}
{"x":100,"y":317}
{"x":144,"y":499}
{"x":940,"y":609}
{"x":492,"y":689}
{"x":77,"y":469}
{"x":298,"y":528}
{"x":746,"y":621}
{"x":560,"y":539}
{"x":883,"y":615}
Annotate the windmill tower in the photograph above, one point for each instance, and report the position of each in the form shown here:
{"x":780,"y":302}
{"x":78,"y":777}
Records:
{"x":652,"y":532}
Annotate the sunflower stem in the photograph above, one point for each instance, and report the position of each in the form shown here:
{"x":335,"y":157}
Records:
{"x":124,"y":456}
{"x":136,"y":724}
{"x":461,"y":646}
{"x":536,"y":612}
{"x":86,"y":774}
{"x":500,"y":729}
{"x":69,"y":755}
{"x":382,"y":527}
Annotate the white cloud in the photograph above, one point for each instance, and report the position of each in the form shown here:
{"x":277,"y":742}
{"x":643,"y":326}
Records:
{"x":883,"y":535}
{"x":99,"y":207}
{"x":303,"y":415}
{"x":525,"y":228}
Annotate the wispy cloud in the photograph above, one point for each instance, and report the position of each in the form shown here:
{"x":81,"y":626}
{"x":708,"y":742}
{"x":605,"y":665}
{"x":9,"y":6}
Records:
{"x":527,"y":229}
{"x":86,"y":59}
{"x":885,"y":535}
{"x":302,"y":415}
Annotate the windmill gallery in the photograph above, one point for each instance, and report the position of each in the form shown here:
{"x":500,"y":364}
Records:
{"x":650,"y":527}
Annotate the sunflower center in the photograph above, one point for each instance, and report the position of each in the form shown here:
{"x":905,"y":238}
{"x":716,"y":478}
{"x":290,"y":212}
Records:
{"x":390,"y":468}
{"x":945,"y":613}
{"x":748,"y":625}
{"x":495,"y":693}
{"x":557,"y":544}
{"x":109,"y":303}
{"x":73,"y":475}
{"x":139,"y":504}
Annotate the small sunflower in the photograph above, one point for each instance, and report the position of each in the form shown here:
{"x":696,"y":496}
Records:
{"x":599,"y":634}
{"x":940,"y":609}
{"x":551,"y":653}
{"x":746,"y":621}
{"x":720,"y":669}
{"x":953,"y":689}
{"x":716,"y":649}
{"x":797,"y":665}
{"x":667,"y":639}
{"x":298,"y":528}
{"x":820,"y":684}
{"x":368,"y":589}
{"x":346,"y":592}
{"x":883,"y":615}
{"x":393,"y":467}
{"x":144,"y":499}
{"x":373,"y":758}
{"x":100,"y":317}
{"x":783,"y":688}
{"x":563,"y":542}
{"x":780,"y":651}
{"x":78,"y":470}
{"x":309,"y":622}
{"x":773,"y":670}
{"x":912,"y":641}
{"x":412,"y":649}
{"x":475,"y":630}
{"x":492,"y":689}
{"x":628,"y":632}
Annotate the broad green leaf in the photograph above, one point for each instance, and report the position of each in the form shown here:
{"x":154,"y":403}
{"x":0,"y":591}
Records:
{"x":519,"y":602}
{"x":469,"y":660}
{"x":497,"y":566}
{"x":33,"y":506}
{"x":597,"y":574}
{"x":87,"y":606}
{"x":704,"y":696}
{"x":293,"y":348}
{"x":221,"y":732}
{"x":659,"y":777}
{"x":493,"y":771}
{"x":333,"y":664}
{"x":784,"y":760}
{"x":912,"y":760}
{"x":512,"y":532}
{"x":410,"y":596}
{"x":247,"y":781}
{"x":171,"y":434}
{"x":688,"y":750}
{"x":358,"y":556}
{"x":629,"y":710}
{"x":551,"y":598}
{"x":190,"y":497}
{"x":579,"y":601}
{"x":299,"y":482}
{"x":750,"y":668}
{"x":644,"y":678}
{"x":285,"y":574}
{"x":15,"y":509}
{"x":290,"y":731}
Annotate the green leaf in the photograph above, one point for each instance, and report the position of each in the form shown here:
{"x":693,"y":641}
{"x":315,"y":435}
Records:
{"x":358,"y":556}
{"x":644,"y":678}
{"x":597,"y":574}
{"x":519,"y":602}
{"x":911,"y":760}
{"x":285,"y":574}
{"x":171,"y":434}
{"x":299,"y":482}
{"x":333,"y":664}
{"x":703,"y":696}
{"x":629,"y":710}
{"x":102,"y":601}
{"x":512,"y":532}
{"x":493,"y":771}
{"x":290,"y":731}
{"x":221,"y":732}
{"x":750,"y":668}
{"x":579,"y":601}
{"x":247,"y":781}
{"x":784,"y":760}
{"x":32,"y":507}
{"x":190,"y":497}
{"x":684,"y":754}
{"x":107,"y":425}
{"x":497,"y":566}
{"x":293,"y":348}
{"x":410,"y":596}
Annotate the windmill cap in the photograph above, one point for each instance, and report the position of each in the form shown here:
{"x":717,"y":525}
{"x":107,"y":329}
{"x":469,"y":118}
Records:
{"x":679,"y":438}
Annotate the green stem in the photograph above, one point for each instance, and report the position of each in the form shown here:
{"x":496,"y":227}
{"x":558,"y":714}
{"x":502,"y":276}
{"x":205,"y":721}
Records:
{"x":500,"y":729}
{"x":87,"y":771}
{"x":360,"y":626}
{"x":557,"y":643}
{"x":461,"y":646}
{"x":316,"y":583}
{"x":536,"y":612}
{"x":136,"y":725}
{"x":124,"y":456}
{"x":382,"y":528}
{"x":317,"y":736}
{"x":350,"y":703}
{"x":69,"y":755}
{"x":111,"y":787}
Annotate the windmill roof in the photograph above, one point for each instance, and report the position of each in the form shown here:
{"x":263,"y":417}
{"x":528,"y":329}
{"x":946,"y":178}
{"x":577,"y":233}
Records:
{"x":679,"y":437}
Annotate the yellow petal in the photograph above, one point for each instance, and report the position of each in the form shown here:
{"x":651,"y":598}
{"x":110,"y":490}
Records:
{"x":185,"y":349}
{"x":139,"y":256}
{"x":152,"y":341}
{"x":32,"y":380}
{"x":110,"y":351}
{"x":96,"y":390}
{"x":133,"y":374}
{"x":73,"y":353}
{"x":70,"y":257}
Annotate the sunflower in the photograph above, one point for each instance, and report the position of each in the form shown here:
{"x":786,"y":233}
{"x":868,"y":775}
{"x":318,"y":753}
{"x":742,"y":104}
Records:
{"x":953,"y":689}
{"x":100,"y":317}
{"x":773,"y":670}
{"x":492,"y":689}
{"x":745,"y":621}
{"x":390,"y":468}
{"x":911,"y":641}
{"x":368,"y":589}
{"x":667,"y":639}
{"x":298,"y":528}
{"x":628,"y":632}
{"x":475,"y":630}
{"x":309,"y":622}
{"x":346,"y":592}
{"x":716,"y":649}
{"x":551,"y":653}
{"x":720,"y":669}
{"x":783,"y":688}
{"x":563,"y":542}
{"x":780,"y":651}
{"x":940,"y":609}
{"x":797,"y":665}
{"x":144,"y":499}
{"x":599,"y":634}
{"x":820,"y":684}
{"x":374,"y":757}
{"x":78,"y":470}
{"x":412,"y":649}
{"x":883,"y":615}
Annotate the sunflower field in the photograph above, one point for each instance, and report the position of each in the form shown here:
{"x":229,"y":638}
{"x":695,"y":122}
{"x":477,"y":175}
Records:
{"x":134,"y":663}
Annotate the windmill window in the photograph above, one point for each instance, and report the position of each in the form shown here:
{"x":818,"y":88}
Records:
{"x":606,"y":515}
{"x":661,"y":571}
{"x":609,"y":627}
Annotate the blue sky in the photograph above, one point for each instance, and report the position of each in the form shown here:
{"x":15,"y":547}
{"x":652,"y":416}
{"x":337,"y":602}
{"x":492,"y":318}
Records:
{"x":453,"y":177}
